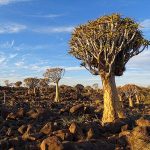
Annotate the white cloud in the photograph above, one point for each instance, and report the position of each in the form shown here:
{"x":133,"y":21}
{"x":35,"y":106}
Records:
{"x":19,"y":64}
{"x":11,"y":56}
{"x":2,"y":59}
{"x":76,"y":68}
{"x":54,"y":29}
{"x":7,"y":44}
{"x":47,"y":16}
{"x":6,"y":2}
{"x":145,"y":24}
{"x":11,"y":28}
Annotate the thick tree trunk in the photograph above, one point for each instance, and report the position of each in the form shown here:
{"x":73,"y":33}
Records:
{"x":130,"y":102}
{"x":57,"y":99}
{"x":112,"y":107}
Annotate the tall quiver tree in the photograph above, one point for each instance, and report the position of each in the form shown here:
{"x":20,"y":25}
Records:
{"x":54,"y":75}
{"x":104,"y":46}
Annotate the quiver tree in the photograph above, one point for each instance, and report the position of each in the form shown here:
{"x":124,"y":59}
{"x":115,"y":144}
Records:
{"x":43,"y":84}
{"x":95,"y":86}
{"x":131,"y":91}
{"x":7,"y":83}
{"x":54,"y":75}
{"x":18,"y":83}
{"x":31,"y":83}
{"x":104,"y":46}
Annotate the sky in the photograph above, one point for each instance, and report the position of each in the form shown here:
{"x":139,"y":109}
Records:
{"x":35,"y":34}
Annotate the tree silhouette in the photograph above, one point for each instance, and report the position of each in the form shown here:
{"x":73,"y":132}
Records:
{"x":54,"y":75}
{"x":104,"y":46}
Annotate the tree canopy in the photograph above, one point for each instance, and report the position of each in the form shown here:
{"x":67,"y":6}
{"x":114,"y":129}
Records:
{"x":106,"y":44}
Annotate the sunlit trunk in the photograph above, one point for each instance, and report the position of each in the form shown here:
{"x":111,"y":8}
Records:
{"x":112,"y":107}
{"x":57,"y":99}
{"x":130,"y":102}
{"x":34,"y":90}
{"x":137,"y":99}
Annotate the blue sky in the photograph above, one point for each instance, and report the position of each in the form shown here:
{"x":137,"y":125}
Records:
{"x":34,"y":35}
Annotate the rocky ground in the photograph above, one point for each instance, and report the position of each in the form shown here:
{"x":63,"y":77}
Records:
{"x":34,"y":122}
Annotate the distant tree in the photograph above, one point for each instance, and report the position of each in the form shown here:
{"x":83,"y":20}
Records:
{"x":89,"y":89}
{"x":104,"y":46}
{"x":18,"y":83}
{"x":131,"y":91}
{"x":43,"y":83}
{"x":31,"y":83}
{"x":95,"y":86}
{"x":7,"y":83}
{"x":54,"y":75}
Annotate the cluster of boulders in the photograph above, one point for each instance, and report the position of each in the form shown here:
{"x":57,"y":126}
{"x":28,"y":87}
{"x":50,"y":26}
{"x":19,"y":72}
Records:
{"x":31,"y":123}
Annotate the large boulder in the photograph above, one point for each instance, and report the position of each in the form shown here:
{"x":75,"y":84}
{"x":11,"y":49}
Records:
{"x":139,"y":138}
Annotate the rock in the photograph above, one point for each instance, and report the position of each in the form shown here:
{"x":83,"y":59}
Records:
{"x":47,"y":129}
{"x":89,"y":145}
{"x":124,"y":128}
{"x":76,"y":131}
{"x":22,"y":129}
{"x":116,"y":127}
{"x":11,"y":116}
{"x":27,"y":135}
{"x":79,"y":108}
{"x":143,"y":122}
{"x":10,"y":131}
{"x":18,"y":114}
{"x":33,"y":114}
{"x":51,"y":143}
{"x":139,"y":138}
{"x":90,"y":134}
{"x":65,"y":135}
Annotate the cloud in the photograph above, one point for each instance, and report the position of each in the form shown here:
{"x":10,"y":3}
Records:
{"x":6,"y":2}
{"x":76,"y":68}
{"x":7,"y":44}
{"x":47,"y":16}
{"x":48,"y":30}
{"x":145,"y":24}
{"x":11,"y":28}
{"x":2,"y":59}
{"x":11,"y":56}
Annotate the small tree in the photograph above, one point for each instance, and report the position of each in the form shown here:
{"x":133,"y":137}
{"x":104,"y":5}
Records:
{"x":44,"y":83}
{"x":31,"y":83}
{"x":18,"y":83}
{"x":131,"y":91}
{"x":95,"y":86}
{"x":7,"y":83}
{"x":54,"y":75}
{"x":104,"y":46}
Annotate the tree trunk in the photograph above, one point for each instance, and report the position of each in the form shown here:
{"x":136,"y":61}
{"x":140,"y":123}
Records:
{"x":34,"y":90}
{"x":112,"y":107}
{"x":137,"y":99}
{"x":57,"y":99}
{"x":130,"y":102}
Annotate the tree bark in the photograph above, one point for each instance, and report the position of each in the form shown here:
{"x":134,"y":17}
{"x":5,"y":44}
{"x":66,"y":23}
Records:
{"x":112,"y":107}
{"x":57,"y":99}
{"x":130,"y":102}
{"x":137,"y":99}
